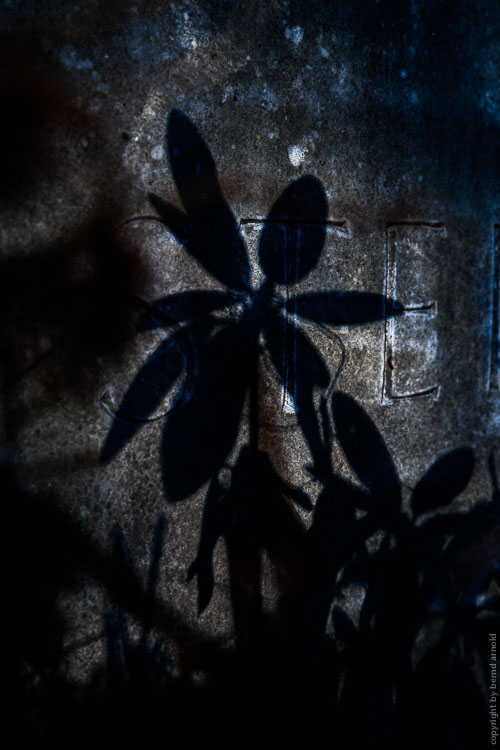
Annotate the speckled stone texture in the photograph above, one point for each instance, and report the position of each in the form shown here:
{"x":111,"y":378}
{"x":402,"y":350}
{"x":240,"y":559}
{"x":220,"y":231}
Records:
{"x":394,"y":108}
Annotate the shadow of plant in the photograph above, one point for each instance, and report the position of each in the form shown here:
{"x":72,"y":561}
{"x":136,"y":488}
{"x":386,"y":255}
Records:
{"x":421,"y":579}
{"x":430,"y":599}
{"x":420,"y":612}
{"x":200,"y":432}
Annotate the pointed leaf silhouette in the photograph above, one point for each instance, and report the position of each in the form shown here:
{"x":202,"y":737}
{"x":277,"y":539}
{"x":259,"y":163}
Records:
{"x":366,"y":451}
{"x":443,"y":481}
{"x":149,"y":387}
{"x":213,"y":235}
{"x":184,"y":306}
{"x":334,"y":516}
{"x":343,"y":308}
{"x":199,"y":435}
{"x":334,"y":538}
{"x":300,"y":368}
{"x":212,"y":527}
{"x":120,"y":552}
{"x":293,"y":236}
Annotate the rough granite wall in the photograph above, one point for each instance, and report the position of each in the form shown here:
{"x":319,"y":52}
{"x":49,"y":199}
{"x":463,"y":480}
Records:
{"x":393,"y":108}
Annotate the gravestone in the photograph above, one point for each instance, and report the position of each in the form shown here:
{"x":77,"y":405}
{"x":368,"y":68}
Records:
{"x":390,"y":113}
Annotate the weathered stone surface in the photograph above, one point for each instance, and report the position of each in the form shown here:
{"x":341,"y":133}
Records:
{"x":393,"y":108}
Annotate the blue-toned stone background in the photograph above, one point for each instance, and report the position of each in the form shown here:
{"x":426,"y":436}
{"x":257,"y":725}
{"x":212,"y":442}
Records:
{"x":395,"y":107}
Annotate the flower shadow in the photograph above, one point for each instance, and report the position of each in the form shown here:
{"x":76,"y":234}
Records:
{"x":229,"y":330}
{"x":423,"y":610}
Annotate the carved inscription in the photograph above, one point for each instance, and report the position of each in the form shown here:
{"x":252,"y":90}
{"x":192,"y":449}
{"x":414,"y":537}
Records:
{"x":411,"y":339}
{"x":251,"y":229}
